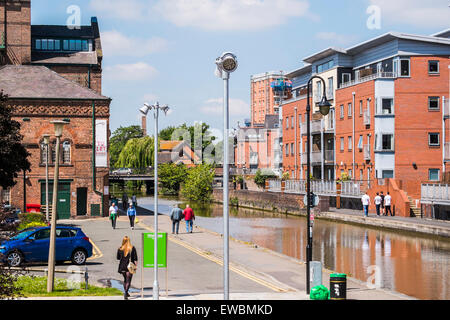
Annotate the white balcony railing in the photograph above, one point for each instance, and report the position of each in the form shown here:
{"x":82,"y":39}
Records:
{"x":435,"y":192}
{"x":275,"y":185}
{"x":316,"y":126}
{"x":374,"y":76}
{"x":320,"y":187}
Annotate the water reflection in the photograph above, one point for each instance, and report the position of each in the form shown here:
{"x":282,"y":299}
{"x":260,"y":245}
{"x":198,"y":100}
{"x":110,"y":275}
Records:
{"x":409,"y":264}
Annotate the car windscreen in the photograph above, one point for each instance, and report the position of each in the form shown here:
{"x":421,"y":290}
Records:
{"x":23,"y":235}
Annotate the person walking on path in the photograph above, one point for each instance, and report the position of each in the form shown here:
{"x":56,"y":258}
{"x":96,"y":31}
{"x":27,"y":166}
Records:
{"x":387,"y":204}
{"x":124,"y":201}
{"x":382,"y":203}
{"x":113,"y":214}
{"x":131,"y":213}
{"x":366,"y":202}
{"x":127,"y":257}
{"x":377,"y":202}
{"x":189,"y":217}
{"x":134,"y":200}
{"x":176,"y":216}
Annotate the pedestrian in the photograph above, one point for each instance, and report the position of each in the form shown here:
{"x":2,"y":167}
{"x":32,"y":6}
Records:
{"x":377,"y":202}
{"x":387,"y":204}
{"x":113,"y":214}
{"x":189,"y":217}
{"x":127,"y":265}
{"x":131,"y":213}
{"x":124,"y":200}
{"x":176,"y":216}
{"x":366,"y":202}
{"x":134,"y":200}
{"x":382,"y":203}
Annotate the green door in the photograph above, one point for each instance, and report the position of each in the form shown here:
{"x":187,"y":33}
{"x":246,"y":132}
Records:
{"x":63,"y":205}
{"x":81,"y":201}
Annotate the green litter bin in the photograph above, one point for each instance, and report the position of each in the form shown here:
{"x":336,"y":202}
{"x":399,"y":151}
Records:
{"x":319,"y":293}
{"x":338,"y":286}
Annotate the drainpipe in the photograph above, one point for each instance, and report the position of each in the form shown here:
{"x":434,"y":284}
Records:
{"x":296,"y":143}
{"x":443,"y":135}
{"x":322,"y":144}
{"x":89,"y":76}
{"x":94,"y":180}
{"x":353,"y":134}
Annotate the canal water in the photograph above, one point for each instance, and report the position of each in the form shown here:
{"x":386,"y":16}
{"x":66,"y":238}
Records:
{"x":408,"y":263}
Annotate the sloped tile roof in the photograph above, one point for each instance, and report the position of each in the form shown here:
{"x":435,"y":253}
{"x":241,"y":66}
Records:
{"x":39,"y":82}
{"x":79,"y":58}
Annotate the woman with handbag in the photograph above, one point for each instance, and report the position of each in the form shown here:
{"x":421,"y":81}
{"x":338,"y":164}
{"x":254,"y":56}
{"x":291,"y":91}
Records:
{"x":127,"y":265}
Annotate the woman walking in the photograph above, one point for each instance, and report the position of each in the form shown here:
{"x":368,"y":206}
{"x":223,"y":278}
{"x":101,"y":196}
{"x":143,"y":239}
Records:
{"x":127,"y":264}
{"x":131,"y":213}
{"x":113,"y":210}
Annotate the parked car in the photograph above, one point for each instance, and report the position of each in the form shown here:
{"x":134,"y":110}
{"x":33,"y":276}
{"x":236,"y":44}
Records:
{"x":122,"y":171}
{"x":32,"y":245}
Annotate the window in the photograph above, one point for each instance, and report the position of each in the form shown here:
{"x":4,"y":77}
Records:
{"x":66,"y":152}
{"x":66,"y":45}
{"x":43,"y":153}
{"x":287,"y":123}
{"x":299,"y":120}
{"x":50,"y":44}
{"x":53,"y":152}
{"x":44,"y":44}
{"x":350,"y":173}
{"x":38,"y":44}
{"x":287,"y":150}
{"x":292,"y":149}
{"x":292,"y":122}
{"x":387,"y":174}
{"x":433,"y":139}
{"x":360,"y":108}
{"x":331,"y":119}
{"x":342,"y":111}
{"x":299,"y":148}
{"x":42,"y":234}
{"x":361,"y":174}
{"x":433,"y":103}
{"x":350,"y":112}
{"x":360,"y":142}
{"x":387,"y":142}
{"x":434,"y":175}
{"x":387,"y":106}
{"x":342,"y":144}
{"x":404,"y":67}
{"x":330,"y":86}
{"x":346,"y":77}
{"x":350,"y":143}
{"x":433,"y":67}
{"x":325,"y":66}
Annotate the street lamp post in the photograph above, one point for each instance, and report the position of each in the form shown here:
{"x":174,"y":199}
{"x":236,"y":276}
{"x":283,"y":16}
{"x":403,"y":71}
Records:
{"x":226,"y":64}
{"x":324,"y":106}
{"x":51,"y":254}
{"x":46,"y":143}
{"x":144,"y":110}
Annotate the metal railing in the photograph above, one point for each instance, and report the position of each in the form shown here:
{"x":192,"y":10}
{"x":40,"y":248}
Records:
{"x":275,"y":185}
{"x":321,"y":187}
{"x":435,"y":192}
{"x":316,"y":126}
{"x":378,"y":75}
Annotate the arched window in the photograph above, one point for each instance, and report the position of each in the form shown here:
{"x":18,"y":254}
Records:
{"x":53,"y":151}
{"x":66,"y":155}
{"x":43,"y":148}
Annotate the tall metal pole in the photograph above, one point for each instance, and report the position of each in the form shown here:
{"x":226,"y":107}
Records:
{"x":51,"y":254}
{"x":46,"y":183}
{"x":155,"y":283}
{"x":226,"y":249}
{"x":308,"y":191}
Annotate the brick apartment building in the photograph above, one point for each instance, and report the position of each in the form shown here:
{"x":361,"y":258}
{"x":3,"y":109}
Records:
{"x":54,"y":73}
{"x":390,"y":105}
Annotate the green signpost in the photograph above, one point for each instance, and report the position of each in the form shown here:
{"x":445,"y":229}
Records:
{"x":149,"y":250}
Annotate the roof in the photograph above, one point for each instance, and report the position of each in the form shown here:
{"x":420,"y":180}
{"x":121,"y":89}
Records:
{"x":442,"y":34}
{"x":169,"y":145}
{"x":297,"y":72}
{"x":323,"y":54}
{"x":39,"y":82}
{"x":85,"y":32}
{"x":49,"y":58}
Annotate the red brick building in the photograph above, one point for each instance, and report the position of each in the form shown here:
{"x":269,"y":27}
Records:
{"x":54,"y":73}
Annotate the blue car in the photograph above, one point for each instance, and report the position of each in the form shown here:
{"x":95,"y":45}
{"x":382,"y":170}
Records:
{"x":32,"y":245}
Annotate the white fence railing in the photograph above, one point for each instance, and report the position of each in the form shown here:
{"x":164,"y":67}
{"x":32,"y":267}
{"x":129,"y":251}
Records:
{"x":379,"y":75}
{"x":320,"y":187}
{"x":275,"y":185}
{"x":435,"y":192}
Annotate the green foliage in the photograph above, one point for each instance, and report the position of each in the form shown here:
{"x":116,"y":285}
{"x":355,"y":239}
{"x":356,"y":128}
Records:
{"x":34,"y":224}
{"x":119,"y":139}
{"x":137,"y":153}
{"x":285,"y":176}
{"x":344,"y":177}
{"x":234,"y":201}
{"x":198,"y":185}
{"x":30,"y":220}
{"x":260,"y":178}
{"x":13,"y":155}
{"x":171,"y":176}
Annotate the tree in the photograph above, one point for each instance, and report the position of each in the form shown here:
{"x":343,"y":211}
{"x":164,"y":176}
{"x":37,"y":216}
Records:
{"x":137,"y":153}
{"x":260,"y":178}
{"x":198,"y":185}
{"x":171,"y":176}
{"x":13,"y":155}
{"x":119,"y":139}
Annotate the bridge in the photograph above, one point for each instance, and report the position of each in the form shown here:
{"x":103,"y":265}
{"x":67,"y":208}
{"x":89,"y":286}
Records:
{"x":137,"y":174}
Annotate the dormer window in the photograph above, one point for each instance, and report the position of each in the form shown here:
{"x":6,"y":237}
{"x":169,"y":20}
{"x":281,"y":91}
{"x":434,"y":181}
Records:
{"x":76,"y":45}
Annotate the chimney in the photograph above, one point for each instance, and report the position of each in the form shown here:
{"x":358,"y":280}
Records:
{"x":144,"y":125}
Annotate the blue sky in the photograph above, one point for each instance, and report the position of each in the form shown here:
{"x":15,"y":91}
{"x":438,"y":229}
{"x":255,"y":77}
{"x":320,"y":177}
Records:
{"x":164,"y":50}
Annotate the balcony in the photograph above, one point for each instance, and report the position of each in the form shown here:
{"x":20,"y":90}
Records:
{"x":316,"y":156}
{"x":374,"y":76}
{"x":367,"y":117}
{"x":435,"y":193}
{"x":316,"y":127}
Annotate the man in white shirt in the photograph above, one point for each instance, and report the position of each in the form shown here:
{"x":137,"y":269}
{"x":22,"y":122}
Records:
{"x":113,"y":214}
{"x":377,"y":202}
{"x":387,"y":204}
{"x":366,"y":202}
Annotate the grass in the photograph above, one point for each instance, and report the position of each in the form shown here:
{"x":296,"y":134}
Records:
{"x":37,"y":287}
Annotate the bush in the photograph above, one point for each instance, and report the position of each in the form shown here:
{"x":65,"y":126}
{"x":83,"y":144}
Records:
{"x":32,"y":219}
{"x":171,"y":176}
{"x":33,"y":224}
{"x":260,"y":178}
{"x":198,"y":185}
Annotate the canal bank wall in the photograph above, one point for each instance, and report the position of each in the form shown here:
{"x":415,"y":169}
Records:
{"x":292,"y":204}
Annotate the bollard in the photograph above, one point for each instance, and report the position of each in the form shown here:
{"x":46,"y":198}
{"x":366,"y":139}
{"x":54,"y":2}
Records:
{"x":316,"y":273}
{"x":338,"y":286}
{"x":86,"y":278}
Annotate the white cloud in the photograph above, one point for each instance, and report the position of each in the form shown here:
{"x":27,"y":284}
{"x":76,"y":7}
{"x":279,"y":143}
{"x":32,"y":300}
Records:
{"x":130,"y":72}
{"x":115,"y":43}
{"x":231,"y":14}
{"x":119,"y":9}
{"x":237,"y":107}
{"x":336,"y":39}
{"x":431,"y":13}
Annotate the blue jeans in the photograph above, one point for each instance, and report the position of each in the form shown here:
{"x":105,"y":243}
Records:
{"x":189,"y":223}
{"x":366,"y":211}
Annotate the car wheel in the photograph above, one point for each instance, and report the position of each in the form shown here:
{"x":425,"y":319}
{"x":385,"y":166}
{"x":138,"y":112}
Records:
{"x":14,"y":259}
{"x":79,"y":257}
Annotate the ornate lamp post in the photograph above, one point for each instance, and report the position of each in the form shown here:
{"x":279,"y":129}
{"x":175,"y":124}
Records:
{"x":46,"y":143}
